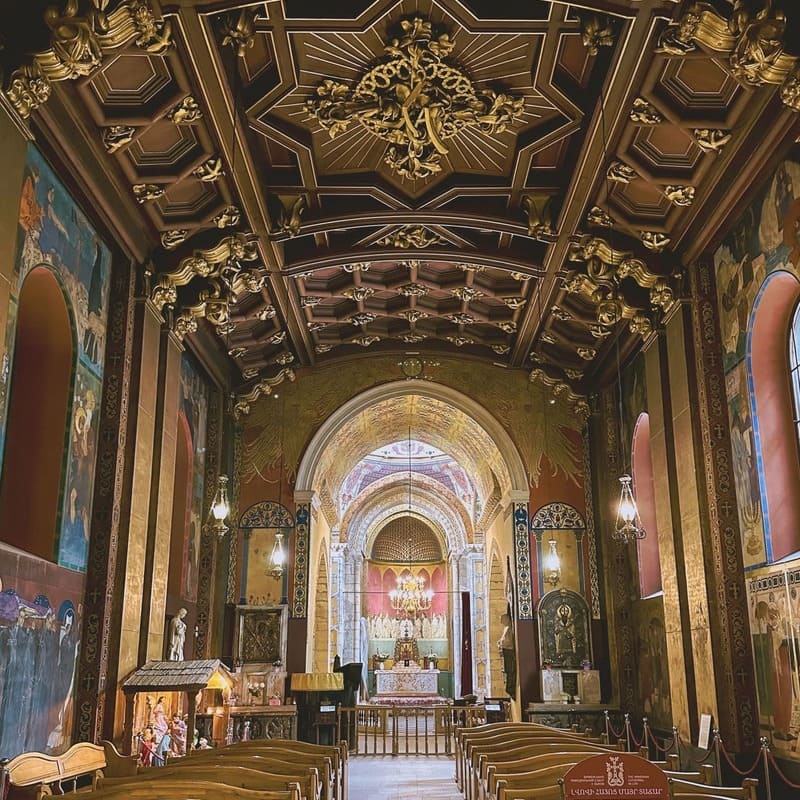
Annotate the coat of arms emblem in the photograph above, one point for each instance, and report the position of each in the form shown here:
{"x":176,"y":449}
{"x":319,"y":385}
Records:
{"x":615,"y":772}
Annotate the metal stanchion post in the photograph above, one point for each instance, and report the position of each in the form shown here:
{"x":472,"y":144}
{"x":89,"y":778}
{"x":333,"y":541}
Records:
{"x":675,"y":742}
{"x":765,"y":751}
{"x":3,"y":777}
{"x":645,"y":740}
{"x":718,"y":754}
{"x":628,"y":732}
{"x":608,"y":731}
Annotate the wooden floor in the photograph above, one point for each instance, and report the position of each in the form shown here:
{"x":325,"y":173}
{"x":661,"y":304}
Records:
{"x":403,"y":778}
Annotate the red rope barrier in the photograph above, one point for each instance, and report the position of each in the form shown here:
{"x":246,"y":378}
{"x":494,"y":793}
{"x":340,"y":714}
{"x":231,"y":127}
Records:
{"x":635,"y":741}
{"x":780,"y":773}
{"x":615,"y":734}
{"x":735,"y":768}
{"x":658,"y":747}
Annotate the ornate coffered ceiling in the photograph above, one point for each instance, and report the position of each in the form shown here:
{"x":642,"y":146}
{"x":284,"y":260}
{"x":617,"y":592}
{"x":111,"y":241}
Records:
{"x":397,"y":176}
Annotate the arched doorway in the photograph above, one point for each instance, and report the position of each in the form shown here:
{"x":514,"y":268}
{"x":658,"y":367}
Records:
{"x":37,"y":429}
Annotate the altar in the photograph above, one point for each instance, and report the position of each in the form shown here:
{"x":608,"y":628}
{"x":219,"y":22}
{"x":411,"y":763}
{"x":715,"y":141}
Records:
{"x":410,"y":681}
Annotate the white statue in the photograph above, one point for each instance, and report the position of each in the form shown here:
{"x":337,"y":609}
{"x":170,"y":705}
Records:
{"x":177,"y":636}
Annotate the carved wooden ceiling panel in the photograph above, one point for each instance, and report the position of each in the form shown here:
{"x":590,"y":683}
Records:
{"x":513,"y":182}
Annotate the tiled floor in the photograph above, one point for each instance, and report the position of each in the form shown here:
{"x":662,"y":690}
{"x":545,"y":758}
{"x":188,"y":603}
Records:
{"x":402,"y":778}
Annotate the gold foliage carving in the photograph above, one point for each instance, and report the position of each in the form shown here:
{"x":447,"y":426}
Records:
{"x":540,"y":216}
{"x":410,"y":237}
{"x":415,"y":101}
{"x":243,"y":402}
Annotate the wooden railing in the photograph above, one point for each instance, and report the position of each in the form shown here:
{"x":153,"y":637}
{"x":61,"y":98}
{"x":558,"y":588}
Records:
{"x":423,"y":730}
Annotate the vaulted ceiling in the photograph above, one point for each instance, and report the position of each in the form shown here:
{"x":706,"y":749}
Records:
{"x":519,"y":182}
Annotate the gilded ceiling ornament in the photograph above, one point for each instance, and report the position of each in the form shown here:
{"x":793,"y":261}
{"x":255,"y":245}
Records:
{"x":460,"y":341}
{"x":559,"y":388}
{"x":268,"y":312}
{"x":548,"y":338}
{"x":239,"y":31}
{"x":598,"y":331}
{"x":28,"y":89}
{"x":597,"y":216}
{"x":573,"y":283}
{"x":359,"y":293}
{"x":540,"y":217}
{"x":790,"y":90}
{"x":316,"y":327}
{"x":472,"y":268}
{"x":115,"y":137}
{"x":265,"y":386}
{"x":237,"y":352}
{"x":213,"y":304}
{"x":620,"y":172}
{"x":183,"y":325}
{"x":413,"y":338}
{"x":210,"y":170}
{"x":641,"y":325}
{"x":310,"y":300}
{"x":654,"y":240}
{"x":323,"y":348}
{"x":711,"y":140}
{"x":145,"y":192}
{"x":277,"y":338}
{"x":560,"y":313}
{"x":596,"y":32}
{"x":289,"y":221}
{"x":284,"y":358}
{"x":679,"y":195}
{"x":509,"y":326}
{"x":677,"y":39}
{"x":173,"y":238}
{"x":520,"y":276}
{"x":359,"y":266}
{"x":410,"y":237}
{"x":414,"y":101}
{"x":186,"y":112}
{"x":574,"y":374}
{"x":461,"y":318}
{"x":413,"y":315}
{"x":501,"y":349}
{"x":645,"y":113}
{"x":362,"y":318}
{"x":467,"y":293}
{"x":229,"y":217}
{"x":586,"y":353}
{"x":365,"y":341}
{"x":249,"y":373}
{"x":514,"y":302}
{"x":609,"y":311}
{"x":413,"y":290}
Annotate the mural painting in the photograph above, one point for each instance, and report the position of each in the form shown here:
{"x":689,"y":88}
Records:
{"x":40,"y":620}
{"x":194,"y":398}
{"x":774,"y":600}
{"x":53,"y":231}
{"x":653,"y":669}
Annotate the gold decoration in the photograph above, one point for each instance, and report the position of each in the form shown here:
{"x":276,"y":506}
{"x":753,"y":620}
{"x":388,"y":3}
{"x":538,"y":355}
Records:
{"x":359,"y":293}
{"x":116,"y":137}
{"x":77,"y":45}
{"x":474,"y":268}
{"x":265,"y":386}
{"x":461,"y":318}
{"x":520,"y":276}
{"x":596,"y":32}
{"x":560,"y":313}
{"x":410,"y":237}
{"x":599,"y":332}
{"x":413,"y":290}
{"x":586,"y":353}
{"x":146,"y":192}
{"x":239,"y":31}
{"x":413,"y":315}
{"x":619,"y":172}
{"x":711,"y":140}
{"x":460,"y":341}
{"x":210,"y":170}
{"x":310,"y":300}
{"x":501,"y":349}
{"x":268,"y":312}
{"x":641,"y":325}
{"x":414,"y":101}
{"x":186,"y":112}
{"x":361,"y":266}
{"x":467,"y":293}
{"x":289,"y":217}
{"x":548,"y":338}
{"x":365,"y":341}
{"x":277,"y":338}
{"x":284,"y":359}
{"x":655,"y":241}
{"x":212,"y":304}
{"x":509,"y":326}
{"x":514,"y":302}
{"x":229,"y":217}
{"x":645,"y":113}
{"x":560,"y":388}
{"x":316,"y":327}
{"x":362,"y":318}
{"x":237,"y":352}
{"x":680,"y":195}
{"x":249,"y":373}
{"x":173,"y":238}
{"x":597,"y":216}
{"x":323,"y":348}
{"x":413,"y":338}
{"x":540,"y":217}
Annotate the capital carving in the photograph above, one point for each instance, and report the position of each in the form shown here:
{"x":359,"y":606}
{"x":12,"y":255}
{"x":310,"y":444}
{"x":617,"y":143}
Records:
{"x":244,"y":400}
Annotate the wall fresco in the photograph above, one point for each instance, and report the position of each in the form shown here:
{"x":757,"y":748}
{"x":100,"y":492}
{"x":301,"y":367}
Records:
{"x":53,"y":231}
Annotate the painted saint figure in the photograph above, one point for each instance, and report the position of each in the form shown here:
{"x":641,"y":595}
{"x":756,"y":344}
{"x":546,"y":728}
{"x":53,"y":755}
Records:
{"x":177,"y":636}
{"x":506,"y":647}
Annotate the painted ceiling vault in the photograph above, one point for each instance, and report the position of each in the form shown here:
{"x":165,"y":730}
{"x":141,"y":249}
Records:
{"x":513,"y":182}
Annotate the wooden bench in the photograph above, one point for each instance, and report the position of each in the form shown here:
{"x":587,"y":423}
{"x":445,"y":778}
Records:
{"x":690,"y":790}
{"x":143,"y":789}
{"x":42,"y":773}
{"x":241,"y":777}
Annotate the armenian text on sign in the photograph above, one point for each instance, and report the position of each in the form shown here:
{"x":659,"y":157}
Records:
{"x":615,"y":776}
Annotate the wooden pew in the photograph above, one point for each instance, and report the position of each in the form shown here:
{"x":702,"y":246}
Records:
{"x":690,"y":790}
{"x":241,"y":777}
{"x":143,"y":789}
{"x":43,"y":773}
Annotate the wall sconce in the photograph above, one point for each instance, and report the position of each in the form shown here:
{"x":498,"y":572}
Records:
{"x":220,"y":508}
{"x":629,"y":525}
{"x":552,"y":565}
{"x":277,"y":559}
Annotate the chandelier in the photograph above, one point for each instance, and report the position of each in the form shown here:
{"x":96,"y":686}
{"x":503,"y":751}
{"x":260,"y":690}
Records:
{"x":628,"y":526}
{"x":410,"y":595}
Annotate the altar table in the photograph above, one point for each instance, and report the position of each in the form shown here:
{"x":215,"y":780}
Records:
{"x":406,"y":682}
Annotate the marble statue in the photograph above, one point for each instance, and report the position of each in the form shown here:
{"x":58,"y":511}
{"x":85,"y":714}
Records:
{"x":177,"y":636}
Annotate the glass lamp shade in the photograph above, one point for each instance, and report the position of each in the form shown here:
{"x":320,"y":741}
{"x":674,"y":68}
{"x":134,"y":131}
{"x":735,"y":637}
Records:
{"x":277,"y":559}
{"x":220,"y":508}
{"x":552,"y":565}
{"x":629,"y":525}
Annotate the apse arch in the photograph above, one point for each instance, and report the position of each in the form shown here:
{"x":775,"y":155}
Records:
{"x":515,"y":477}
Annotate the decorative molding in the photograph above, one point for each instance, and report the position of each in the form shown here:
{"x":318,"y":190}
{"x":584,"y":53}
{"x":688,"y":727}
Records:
{"x":266,"y":514}
{"x":557,"y":517}
{"x":301,"y":552}
{"x":410,"y":237}
{"x":241,"y":406}
{"x":522,"y":560}
{"x":540,"y":216}
{"x":421,"y":101}
{"x":591,"y":538}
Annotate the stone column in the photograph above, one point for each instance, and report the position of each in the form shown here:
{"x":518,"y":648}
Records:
{"x":731,"y":651}
{"x":97,"y":668}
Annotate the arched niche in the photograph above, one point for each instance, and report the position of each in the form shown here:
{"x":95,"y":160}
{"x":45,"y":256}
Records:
{"x":259,"y":525}
{"x":564,"y":636}
{"x":37,"y":427}
{"x":563,"y":524}
{"x":645,"y":495}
